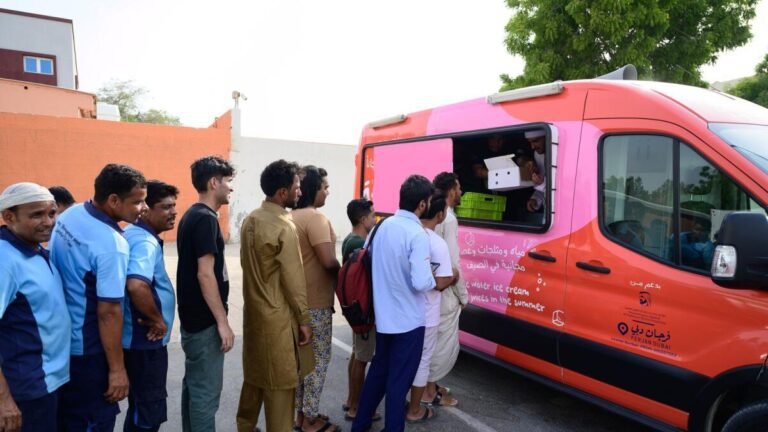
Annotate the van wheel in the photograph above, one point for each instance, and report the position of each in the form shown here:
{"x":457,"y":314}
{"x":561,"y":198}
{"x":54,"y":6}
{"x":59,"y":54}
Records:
{"x":752,"y":418}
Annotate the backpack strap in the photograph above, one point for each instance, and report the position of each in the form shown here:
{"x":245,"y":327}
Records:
{"x":373,"y":234}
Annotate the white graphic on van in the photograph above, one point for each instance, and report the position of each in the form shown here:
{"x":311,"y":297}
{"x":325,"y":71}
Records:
{"x":644,"y":285}
{"x":558,"y":318}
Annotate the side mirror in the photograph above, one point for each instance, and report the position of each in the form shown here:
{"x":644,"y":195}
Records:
{"x":741,"y":252}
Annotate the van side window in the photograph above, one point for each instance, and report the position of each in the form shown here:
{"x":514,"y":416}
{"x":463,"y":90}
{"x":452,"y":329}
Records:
{"x":649,"y":208}
{"x":516,"y":195}
{"x":637,"y":192}
{"x":706,"y":196}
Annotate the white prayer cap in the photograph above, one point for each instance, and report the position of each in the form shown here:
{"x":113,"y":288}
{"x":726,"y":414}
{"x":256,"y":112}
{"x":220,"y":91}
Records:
{"x":23,"y":193}
{"x":534,"y":134}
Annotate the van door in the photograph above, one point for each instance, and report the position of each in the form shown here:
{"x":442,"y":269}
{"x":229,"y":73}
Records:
{"x":646,"y":327}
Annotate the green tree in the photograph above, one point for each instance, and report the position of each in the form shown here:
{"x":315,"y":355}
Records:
{"x":666,"y":40}
{"x":125,"y":94}
{"x":754,"y":88}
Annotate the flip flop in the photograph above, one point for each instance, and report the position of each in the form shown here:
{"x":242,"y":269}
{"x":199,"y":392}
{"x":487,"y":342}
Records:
{"x":425,"y":417}
{"x":438,"y":401}
{"x":445,"y":390}
{"x":325,"y":427}
{"x":376,"y":417}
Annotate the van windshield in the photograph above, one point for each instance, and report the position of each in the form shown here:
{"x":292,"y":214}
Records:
{"x":749,"y":140}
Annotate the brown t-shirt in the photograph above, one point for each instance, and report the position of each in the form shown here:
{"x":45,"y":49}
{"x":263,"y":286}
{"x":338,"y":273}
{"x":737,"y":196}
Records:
{"x":314,"y":229}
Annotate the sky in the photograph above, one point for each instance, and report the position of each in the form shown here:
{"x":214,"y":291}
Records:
{"x":311,"y":70}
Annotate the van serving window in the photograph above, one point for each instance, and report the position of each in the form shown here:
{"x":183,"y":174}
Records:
{"x":504,"y":178}
{"x":661,"y":198}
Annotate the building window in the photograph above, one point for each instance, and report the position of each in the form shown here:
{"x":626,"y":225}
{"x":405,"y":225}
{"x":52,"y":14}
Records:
{"x":38,"y":65}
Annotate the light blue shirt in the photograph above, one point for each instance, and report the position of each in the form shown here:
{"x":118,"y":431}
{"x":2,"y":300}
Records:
{"x":88,"y":249}
{"x":34,"y":324}
{"x":146,"y":264}
{"x":401,"y":273}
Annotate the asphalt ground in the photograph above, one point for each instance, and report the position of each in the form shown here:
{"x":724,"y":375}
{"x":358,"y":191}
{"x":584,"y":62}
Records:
{"x":491,"y":398}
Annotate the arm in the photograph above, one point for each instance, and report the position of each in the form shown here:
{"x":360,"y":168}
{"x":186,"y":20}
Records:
{"x":326,"y":254}
{"x":140,"y":294}
{"x":210,"y":290}
{"x":10,"y":416}
{"x":293,"y":282}
{"x":421,"y":271}
{"x":442,"y":283}
{"x":110,"y":315}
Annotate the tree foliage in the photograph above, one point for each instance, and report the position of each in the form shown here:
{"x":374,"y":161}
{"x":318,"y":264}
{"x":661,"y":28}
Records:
{"x":125,"y":94}
{"x":754,"y":88}
{"x":667,"y":40}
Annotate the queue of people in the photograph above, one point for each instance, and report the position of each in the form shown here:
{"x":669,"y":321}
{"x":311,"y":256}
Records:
{"x":85,"y":322}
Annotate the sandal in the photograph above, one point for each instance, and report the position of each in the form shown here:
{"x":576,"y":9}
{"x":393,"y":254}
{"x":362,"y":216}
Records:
{"x":443,"y":390}
{"x":325,"y":427}
{"x":439,"y":401}
{"x":376,"y":416}
{"x":429,"y":414}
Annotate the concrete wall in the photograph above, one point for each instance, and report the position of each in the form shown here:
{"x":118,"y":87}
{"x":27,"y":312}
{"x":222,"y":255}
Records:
{"x":251,"y":155}
{"x":29,"y":98}
{"x":44,"y":36}
{"x":71,"y":152}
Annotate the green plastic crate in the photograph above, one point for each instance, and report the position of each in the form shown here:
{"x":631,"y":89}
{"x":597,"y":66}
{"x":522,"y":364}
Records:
{"x":481,"y":201}
{"x":462,"y":211}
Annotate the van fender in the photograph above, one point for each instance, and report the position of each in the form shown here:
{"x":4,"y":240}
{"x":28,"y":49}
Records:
{"x":739,"y":378}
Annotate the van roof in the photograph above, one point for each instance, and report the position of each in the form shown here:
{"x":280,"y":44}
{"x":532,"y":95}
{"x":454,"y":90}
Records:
{"x":604,"y":99}
{"x":707,"y":104}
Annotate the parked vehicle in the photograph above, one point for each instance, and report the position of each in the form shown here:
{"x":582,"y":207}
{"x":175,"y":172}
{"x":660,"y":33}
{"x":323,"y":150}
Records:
{"x":618,"y":289}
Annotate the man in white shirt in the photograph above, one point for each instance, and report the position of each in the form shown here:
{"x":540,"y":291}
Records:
{"x":537,"y":139}
{"x":440,"y":260}
{"x":453,"y":299}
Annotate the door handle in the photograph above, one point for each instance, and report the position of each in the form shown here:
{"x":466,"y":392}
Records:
{"x":542,"y":257}
{"x":593,"y":268}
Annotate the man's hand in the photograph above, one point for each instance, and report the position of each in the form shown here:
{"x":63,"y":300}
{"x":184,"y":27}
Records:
{"x":156,"y":330}
{"x":305,"y":335}
{"x":532,"y":205}
{"x":10,"y":416}
{"x":227,"y":336}
{"x":537,"y":178}
{"x":118,"y":386}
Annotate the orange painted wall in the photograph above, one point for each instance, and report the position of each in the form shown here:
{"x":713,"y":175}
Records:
{"x":30,"y":98}
{"x":70,"y":152}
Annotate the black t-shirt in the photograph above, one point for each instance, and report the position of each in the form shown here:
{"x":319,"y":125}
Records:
{"x":199,"y":235}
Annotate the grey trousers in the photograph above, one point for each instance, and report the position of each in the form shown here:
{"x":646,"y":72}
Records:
{"x":203,"y":379}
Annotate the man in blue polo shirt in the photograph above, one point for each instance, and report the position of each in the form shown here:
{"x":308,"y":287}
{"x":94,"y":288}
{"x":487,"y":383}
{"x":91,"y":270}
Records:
{"x":401,"y":275}
{"x":90,"y":252}
{"x":34,"y":324}
{"x":148,"y":316}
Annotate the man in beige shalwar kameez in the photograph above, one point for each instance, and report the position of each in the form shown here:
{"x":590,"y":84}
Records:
{"x":275,"y":315}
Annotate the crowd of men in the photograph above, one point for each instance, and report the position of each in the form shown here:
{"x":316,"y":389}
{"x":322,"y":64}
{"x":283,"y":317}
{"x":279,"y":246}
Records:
{"x":85,"y":321}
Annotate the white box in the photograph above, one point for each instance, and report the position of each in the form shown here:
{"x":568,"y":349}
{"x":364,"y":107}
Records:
{"x":504,"y":174}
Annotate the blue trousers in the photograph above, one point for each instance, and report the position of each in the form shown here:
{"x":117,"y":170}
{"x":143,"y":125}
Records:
{"x":39,"y":415}
{"x":82,"y":406}
{"x":392,"y":372}
{"x":147,"y":374}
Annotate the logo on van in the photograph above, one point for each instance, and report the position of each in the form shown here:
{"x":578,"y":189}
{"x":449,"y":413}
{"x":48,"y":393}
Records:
{"x":623,"y":328}
{"x":645,"y":298}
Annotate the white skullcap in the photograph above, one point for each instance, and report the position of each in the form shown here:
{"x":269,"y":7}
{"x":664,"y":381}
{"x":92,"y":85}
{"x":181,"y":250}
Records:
{"x":534,"y":134}
{"x":23,"y":193}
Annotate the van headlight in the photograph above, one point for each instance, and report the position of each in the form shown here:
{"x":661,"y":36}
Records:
{"x":724,"y":262}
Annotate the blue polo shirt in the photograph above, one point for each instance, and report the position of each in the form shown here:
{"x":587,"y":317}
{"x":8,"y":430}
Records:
{"x":146,"y":264}
{"x":401,"y":273}
{"x":90,"y":252}
{"x":34,"y":324}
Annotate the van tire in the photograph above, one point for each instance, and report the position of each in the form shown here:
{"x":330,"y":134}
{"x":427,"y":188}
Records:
{"x":752,"y":418}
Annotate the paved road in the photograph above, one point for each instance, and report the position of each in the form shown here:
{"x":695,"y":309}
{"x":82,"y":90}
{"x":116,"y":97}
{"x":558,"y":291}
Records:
{"x":491,"y":398}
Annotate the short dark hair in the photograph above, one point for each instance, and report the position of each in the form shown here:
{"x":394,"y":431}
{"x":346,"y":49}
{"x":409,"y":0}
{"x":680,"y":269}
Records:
{"x":358,"y":209}
{"x":414,"y":190}
{"x":445,"y":181}
{"x":311,"y":182}
{"x":208,"y":167}
{"x":61,"y":195}
{"x":279,"y":174}
{"x":117,"y":179}
{"x":158,"y":191}
{"x":436,"y":205}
